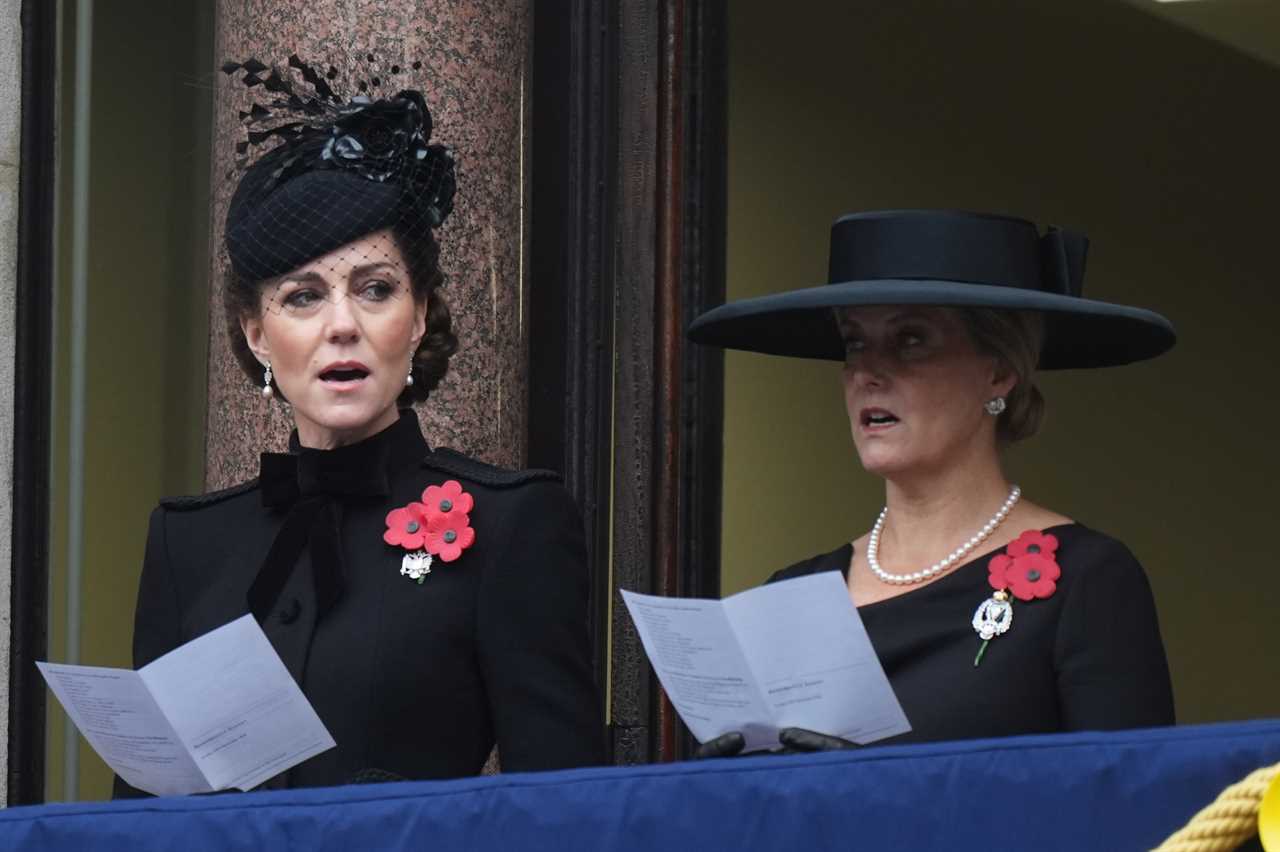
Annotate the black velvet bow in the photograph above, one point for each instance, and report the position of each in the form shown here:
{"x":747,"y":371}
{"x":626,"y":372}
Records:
{"x":313,"y":486}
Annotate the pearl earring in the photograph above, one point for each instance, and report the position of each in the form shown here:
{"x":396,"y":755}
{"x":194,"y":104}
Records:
{"x":267,"y":391}
{"x":995,"y":407}
{"x":408,"y":382}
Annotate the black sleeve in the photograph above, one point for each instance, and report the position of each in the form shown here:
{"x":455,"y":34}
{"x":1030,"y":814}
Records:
{"x":532,"y":629}
{"x":157,"y":617}
{"x":1110,"y":661}
{"x":156,"y":629}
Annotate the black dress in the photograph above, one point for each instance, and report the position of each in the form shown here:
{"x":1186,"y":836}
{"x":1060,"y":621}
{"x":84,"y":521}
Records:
{"x":415,"y":679}
{"x":1088,"y":657}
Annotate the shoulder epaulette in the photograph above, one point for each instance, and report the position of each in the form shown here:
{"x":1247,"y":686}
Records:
{"x":196,"y":501}
{"x":446,"y":460}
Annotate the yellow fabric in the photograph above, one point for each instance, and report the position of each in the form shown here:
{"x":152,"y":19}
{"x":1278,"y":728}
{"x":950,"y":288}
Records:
{"x":1231,"y":819}
{"x":1269,"y":817}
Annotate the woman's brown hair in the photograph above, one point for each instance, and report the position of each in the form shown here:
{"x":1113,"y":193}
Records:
{"x":1015,"y":339}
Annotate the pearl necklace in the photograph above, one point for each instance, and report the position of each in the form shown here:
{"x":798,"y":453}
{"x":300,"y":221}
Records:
{"x":953,"y":558}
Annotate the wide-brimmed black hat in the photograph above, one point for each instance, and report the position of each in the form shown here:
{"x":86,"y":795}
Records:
{"x":945,"y":258}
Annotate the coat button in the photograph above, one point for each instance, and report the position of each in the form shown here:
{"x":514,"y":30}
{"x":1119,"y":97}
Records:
{"x":289,"y":612}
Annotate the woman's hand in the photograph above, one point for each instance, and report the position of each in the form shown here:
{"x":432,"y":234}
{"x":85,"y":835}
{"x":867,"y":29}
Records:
{"x":725,"y":745}
{"x":793,"y":740}
{"x":802,"y":739}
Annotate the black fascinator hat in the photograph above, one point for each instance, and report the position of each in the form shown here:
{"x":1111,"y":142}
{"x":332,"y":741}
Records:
{"x":945,"y":258}
{"x":337,"y":169}
{"x":340,"y":169}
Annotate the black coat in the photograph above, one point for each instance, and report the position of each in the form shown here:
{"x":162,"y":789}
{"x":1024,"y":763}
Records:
{"x":416,"y":679}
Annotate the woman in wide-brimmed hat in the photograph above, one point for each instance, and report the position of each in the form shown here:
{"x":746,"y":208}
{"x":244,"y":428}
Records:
{"x":941,"y":319}
{"x":428,"y":604}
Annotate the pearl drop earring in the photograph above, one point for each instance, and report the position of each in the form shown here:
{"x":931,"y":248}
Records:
{"x":408,"y":382}
{"x":995,"y":407}
{"x":267,"y":390}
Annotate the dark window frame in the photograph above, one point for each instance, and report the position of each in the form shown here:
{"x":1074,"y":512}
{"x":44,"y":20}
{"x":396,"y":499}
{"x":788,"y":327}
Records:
{"x":32,"y":387}
{"x":627,"y":246}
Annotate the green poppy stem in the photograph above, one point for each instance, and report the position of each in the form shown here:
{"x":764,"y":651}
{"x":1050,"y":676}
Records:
{"x":981,"y":650}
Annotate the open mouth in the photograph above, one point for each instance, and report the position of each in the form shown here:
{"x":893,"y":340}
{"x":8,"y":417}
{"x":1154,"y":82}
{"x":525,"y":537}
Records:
{"x":343,"y":374}
{"x":876,"y":418}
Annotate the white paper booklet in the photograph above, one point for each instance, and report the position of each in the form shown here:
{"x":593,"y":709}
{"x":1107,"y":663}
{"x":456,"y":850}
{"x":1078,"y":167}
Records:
{"x":789,"y":654}
{"x":221,"y":711}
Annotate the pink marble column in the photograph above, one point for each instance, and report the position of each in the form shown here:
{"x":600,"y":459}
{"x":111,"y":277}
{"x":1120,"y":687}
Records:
{"x":474,"y":56}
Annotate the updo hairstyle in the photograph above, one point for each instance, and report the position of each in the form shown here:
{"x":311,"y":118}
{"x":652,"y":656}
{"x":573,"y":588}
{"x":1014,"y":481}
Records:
{"x":1015,"y":339}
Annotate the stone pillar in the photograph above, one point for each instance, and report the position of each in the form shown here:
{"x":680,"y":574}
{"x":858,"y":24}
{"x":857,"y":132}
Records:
{"x":10,"y":140}
{"x":474,"y":56}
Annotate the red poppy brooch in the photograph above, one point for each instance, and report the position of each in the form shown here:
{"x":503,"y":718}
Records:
{"x":439,"y":526}
{"x":1027,"y":570}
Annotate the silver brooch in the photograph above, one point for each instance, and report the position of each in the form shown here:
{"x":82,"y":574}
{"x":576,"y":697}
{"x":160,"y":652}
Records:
{"x":416,"y":565}
{"x":993,"y":617}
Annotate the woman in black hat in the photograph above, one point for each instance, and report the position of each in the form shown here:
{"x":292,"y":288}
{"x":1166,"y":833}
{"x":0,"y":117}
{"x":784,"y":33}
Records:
{"x":941,"y":319}
{"x":428,"y":604}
